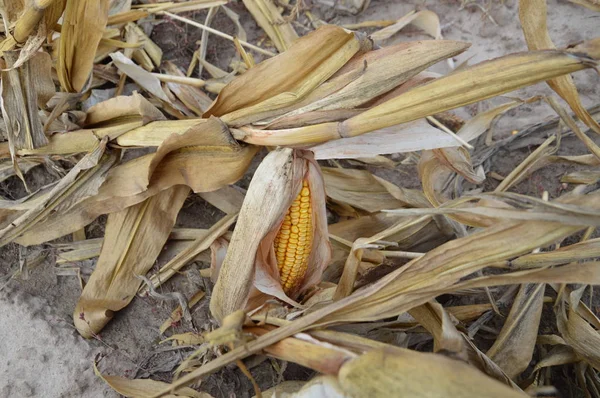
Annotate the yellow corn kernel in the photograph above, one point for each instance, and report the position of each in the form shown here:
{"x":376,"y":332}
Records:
{"x":294,"y":240}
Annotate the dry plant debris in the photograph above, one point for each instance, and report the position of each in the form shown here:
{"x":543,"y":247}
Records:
{"x":324,"y":259}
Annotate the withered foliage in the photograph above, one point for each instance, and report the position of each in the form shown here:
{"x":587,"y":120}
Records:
{"x":83,"y":85}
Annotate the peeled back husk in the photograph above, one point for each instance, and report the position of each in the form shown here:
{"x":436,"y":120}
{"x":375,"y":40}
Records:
{"x":249,"y":274}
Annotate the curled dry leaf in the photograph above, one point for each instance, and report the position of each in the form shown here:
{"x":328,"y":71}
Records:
{"x":279,"y":246}
{"x":533,"y":20}
{"x":205,"y":158}
{"x":146,"y":388}
{"x":134,"y":237}
{"x":513,"y":348}
{"x":425,"y":20}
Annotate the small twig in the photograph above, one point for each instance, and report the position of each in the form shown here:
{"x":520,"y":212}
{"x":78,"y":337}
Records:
{"x":173,"y":296}
{"x":400,"y":254}
{"x":189,"y":81}
{"x":448,"y":131}
{"x":218,"y":33}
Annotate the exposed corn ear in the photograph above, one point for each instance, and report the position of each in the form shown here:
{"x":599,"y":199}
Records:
{"x":294,"y":239}
{"x":283,"y":225}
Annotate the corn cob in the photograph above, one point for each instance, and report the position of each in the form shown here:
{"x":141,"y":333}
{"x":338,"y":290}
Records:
{"x":294,"y":240}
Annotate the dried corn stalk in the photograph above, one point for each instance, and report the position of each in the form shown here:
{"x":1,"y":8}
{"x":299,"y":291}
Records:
{"x":83,"y":25}
{"x":24,"y":90}
{"x":279,"y":246}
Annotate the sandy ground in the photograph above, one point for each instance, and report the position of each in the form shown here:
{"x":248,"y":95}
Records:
{"x":42,"y":356}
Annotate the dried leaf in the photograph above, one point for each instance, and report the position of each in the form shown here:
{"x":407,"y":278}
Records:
{"x":285,"y":81}
{"x":532,"y":15}
{"x":133,"y":240}
{"x":82,"y":181}
{"x":199,"y":245}
{"x":205,"y":157}
{"x":146,"y":388}
{"x":142,"y":77}
{"x":82,"y":28}
{"x":425,"y":20}
{"x":579,"y":251}
{"x":409,"y":373}
{"x":24,"y":89}
{"x":472,"y":84}
{"x":267,"y":16}
{"x":410,"y":137}
{"x":513,"y":348}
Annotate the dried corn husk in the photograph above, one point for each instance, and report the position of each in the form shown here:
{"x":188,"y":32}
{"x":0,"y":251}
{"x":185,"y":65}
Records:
{"x":250,"y":256}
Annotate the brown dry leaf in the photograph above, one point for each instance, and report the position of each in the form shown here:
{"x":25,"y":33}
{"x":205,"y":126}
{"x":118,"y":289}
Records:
{"x":513,"y":348}
{"x":228,"y":199}
{"x":534,"y":23}
{"x":146,"y":388}
{"x":472,"y":84}
{"x":533,"y":162}
{"x":581,"y":177}
{"x":285,"y":80}
{"x":481,"y":122}
{"x":24,"y":90}
{"x":593,"y":5}
{"x":579,"y":251}
{"x":371,"y":74}
{"x":306,"y":351}
{"x":205,"y":157}
{"x":446,"y":338}
{"x":266,"y":15}
{"x":81,"y":182}
{"x":409,"y":137}
{"x":568,"y":120}
{"x":402,"y":372}
{"x":250,"y":256}
{"x":83,"y":24}
{"x":363,"y":190}
{"x":576,"y":331}
{"x":142,"y":77}
{"x":425,"y":20}
{"x":133,"y":240}
{"x":189,"y":338}
{"x":8,"y":170}
{"x":150,"y":54}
